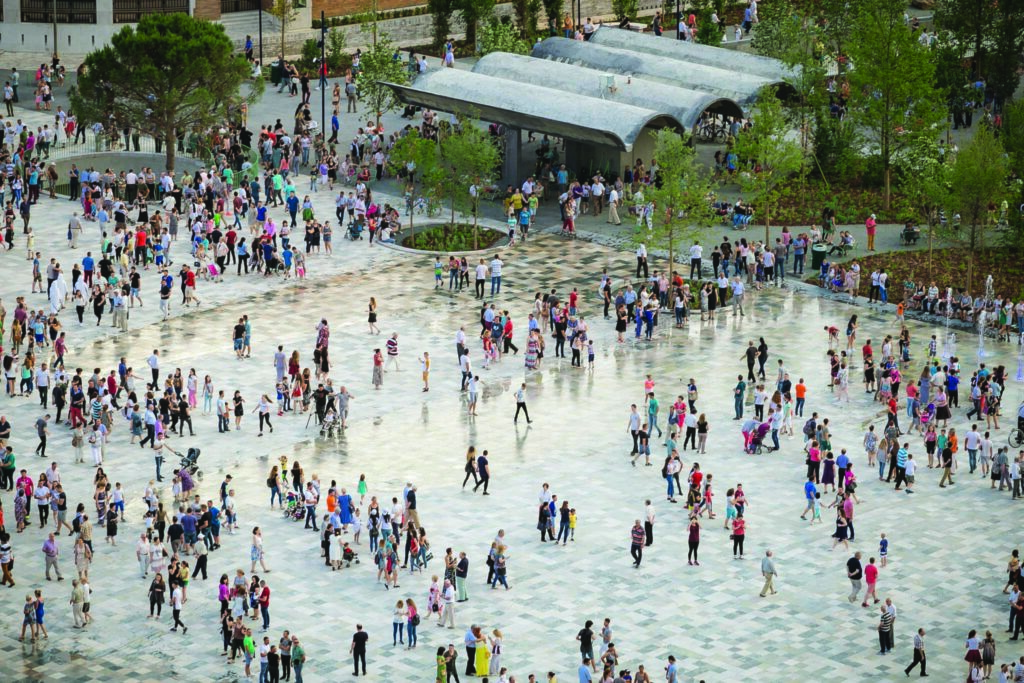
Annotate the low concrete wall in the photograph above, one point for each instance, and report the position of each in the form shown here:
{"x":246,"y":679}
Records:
{"x":123,"y":161}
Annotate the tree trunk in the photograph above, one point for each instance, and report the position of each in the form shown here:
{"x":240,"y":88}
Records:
{"x":476,"y":228}
{"x":888,"y":187}
{"x":767,"y":223}
{"x":931,"y":239}
{"x":171,"y":142}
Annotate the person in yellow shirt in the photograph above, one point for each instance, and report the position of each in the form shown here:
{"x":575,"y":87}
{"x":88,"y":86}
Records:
{"x":572,"y":524}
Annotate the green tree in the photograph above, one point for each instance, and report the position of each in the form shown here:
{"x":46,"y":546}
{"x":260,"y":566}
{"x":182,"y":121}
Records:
{"x":925,"y":174}
{"x":149,"y":77}
{"x":377,"y":67}
{"x":837,"y":20}
{"x":469,"y":157}
{"x":441,"y":11}
{"x":1008,"y":43}
{"x":625,"y":9}
{"x":473,"y":12}
{"x":526,"y":13}
{"x":1012,"y":137}
{"x":708,"y":32}
{"x":553,"y":12}
{"x":978,"y":180}
{"x":967,"y":23}
{"x":770,"y":156}
{"x":681,"y":195}
{"x":335,"y":49}
{"x":499,"y":35}
{"x":894,"y":80}
{"x":285,"y":12}
{"x":789,"y":36}
{"x":412,"y":152}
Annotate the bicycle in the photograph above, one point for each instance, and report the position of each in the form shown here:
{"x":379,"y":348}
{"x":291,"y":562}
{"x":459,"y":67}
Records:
{"x":1016,"y":438}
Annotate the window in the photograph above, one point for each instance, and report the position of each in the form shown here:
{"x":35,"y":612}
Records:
{"x":131,"y":11}
{"x":68,"y":11}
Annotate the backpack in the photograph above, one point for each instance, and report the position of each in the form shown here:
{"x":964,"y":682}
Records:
{"x":809,"y":427}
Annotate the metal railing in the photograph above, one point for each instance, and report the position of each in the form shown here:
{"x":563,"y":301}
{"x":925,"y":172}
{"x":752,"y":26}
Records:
{"x":131,"y":11}
{"x":68,"y":11}
{"x":103,"y":144}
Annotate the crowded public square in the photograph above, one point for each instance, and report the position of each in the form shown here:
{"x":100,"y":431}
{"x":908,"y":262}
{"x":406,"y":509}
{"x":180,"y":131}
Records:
{"x":236,"y":448}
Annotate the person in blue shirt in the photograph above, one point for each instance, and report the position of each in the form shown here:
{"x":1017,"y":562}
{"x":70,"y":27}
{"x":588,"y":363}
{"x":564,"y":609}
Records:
{"x":810,"y":491}
{"x":293,"y":206}
{"x":286,"y":255}
{"x":254,"y":190}
{"x":335,"y":125}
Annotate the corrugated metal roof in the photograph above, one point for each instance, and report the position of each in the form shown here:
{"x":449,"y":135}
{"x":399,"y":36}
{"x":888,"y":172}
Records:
{"x":589,"y":119}
{"x":696,"y":53}
{"x":682,"y":104}
{"x":743,"y":87}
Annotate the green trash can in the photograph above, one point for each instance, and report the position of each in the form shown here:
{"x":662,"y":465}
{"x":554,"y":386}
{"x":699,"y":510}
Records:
{"x":818,"y":253}
{"x":276,"y":72}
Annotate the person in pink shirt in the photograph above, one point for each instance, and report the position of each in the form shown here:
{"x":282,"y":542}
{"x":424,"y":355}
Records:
{"x":871,"y":577}
{"x":848,"y":513}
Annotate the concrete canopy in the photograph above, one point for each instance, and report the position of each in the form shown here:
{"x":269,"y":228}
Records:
{"x":722,"y":82}
{"x":543,"y":109}
{"x":708,"y":55}
{"x":684,"y":105}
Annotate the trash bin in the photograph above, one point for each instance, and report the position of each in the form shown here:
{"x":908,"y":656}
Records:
{"x":818,"y":252}
{"x":276,"y":72}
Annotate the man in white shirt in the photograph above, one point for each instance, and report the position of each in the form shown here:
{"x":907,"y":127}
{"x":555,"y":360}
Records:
{"x":545,"y":494}
{"x":467,"y":370}
{"x":527,"y":187}
{"x":154,"y":366}
{"x":649,"y":523}
{"x":737,"y":295}
{"x":696,"y":252}
{"x":496,"y":275}
{"x":448,"y":614}
{"x":613,"y":207}
{"x":481,"y":278}
{"x":597,"y":196}
{"x":460,"y":343}
{"x":972,"y":442}
{"x":177,"y":598}
{"x":641,"y":261}
{"x":588,"y":29}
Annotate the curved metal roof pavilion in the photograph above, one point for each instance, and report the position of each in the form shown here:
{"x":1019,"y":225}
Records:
{"x":587,"y":119}
{"x":740,"y":86}
{"x":682,"y":104}
{"x":708,"y":55}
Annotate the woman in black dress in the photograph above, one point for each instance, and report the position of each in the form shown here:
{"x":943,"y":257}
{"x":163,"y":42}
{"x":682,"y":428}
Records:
{"x":99,"y":303}
{"x":762,"y":356}
{"x":238,"y":402}
{"x":372,"y":316}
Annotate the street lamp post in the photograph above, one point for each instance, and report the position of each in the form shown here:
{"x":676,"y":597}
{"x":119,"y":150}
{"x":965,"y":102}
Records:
{"x":54,"y":28}
{"x":679,"y":19}
{"x":261,"y":34}
{"x":322,"y":77}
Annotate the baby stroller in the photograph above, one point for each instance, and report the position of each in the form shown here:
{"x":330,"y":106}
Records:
{"x":348,"y":556}
{"x":293,"y":507}
{"x":189,"y":462}
{"x":355,"y":231}
{"x":329,"y":424}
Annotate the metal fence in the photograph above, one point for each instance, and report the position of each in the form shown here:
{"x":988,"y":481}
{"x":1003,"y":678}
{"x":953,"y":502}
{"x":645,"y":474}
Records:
{"x":102,"y":144}
{"x":131,"y":11}
{"x":68,"y":11}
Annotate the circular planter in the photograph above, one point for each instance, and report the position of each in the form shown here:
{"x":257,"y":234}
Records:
{"x":490,"y":240}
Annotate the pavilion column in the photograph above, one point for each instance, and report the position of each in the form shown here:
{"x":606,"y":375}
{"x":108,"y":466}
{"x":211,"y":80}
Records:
{"x":513,"y":147}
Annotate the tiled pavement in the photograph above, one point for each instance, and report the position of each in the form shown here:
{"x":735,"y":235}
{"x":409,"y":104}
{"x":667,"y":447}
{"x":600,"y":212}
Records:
{"x":946,"y":553}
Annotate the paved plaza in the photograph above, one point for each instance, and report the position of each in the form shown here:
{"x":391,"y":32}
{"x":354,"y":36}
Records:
{"x":947,"y":553}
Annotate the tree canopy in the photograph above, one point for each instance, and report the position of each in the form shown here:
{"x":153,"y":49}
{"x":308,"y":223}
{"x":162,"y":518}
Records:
{"x":681,"y":195}
{"x":167,"y":75}
{"x":378,"y":66}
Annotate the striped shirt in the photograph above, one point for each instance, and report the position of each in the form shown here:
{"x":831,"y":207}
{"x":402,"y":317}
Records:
{"x":637,"y":535}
